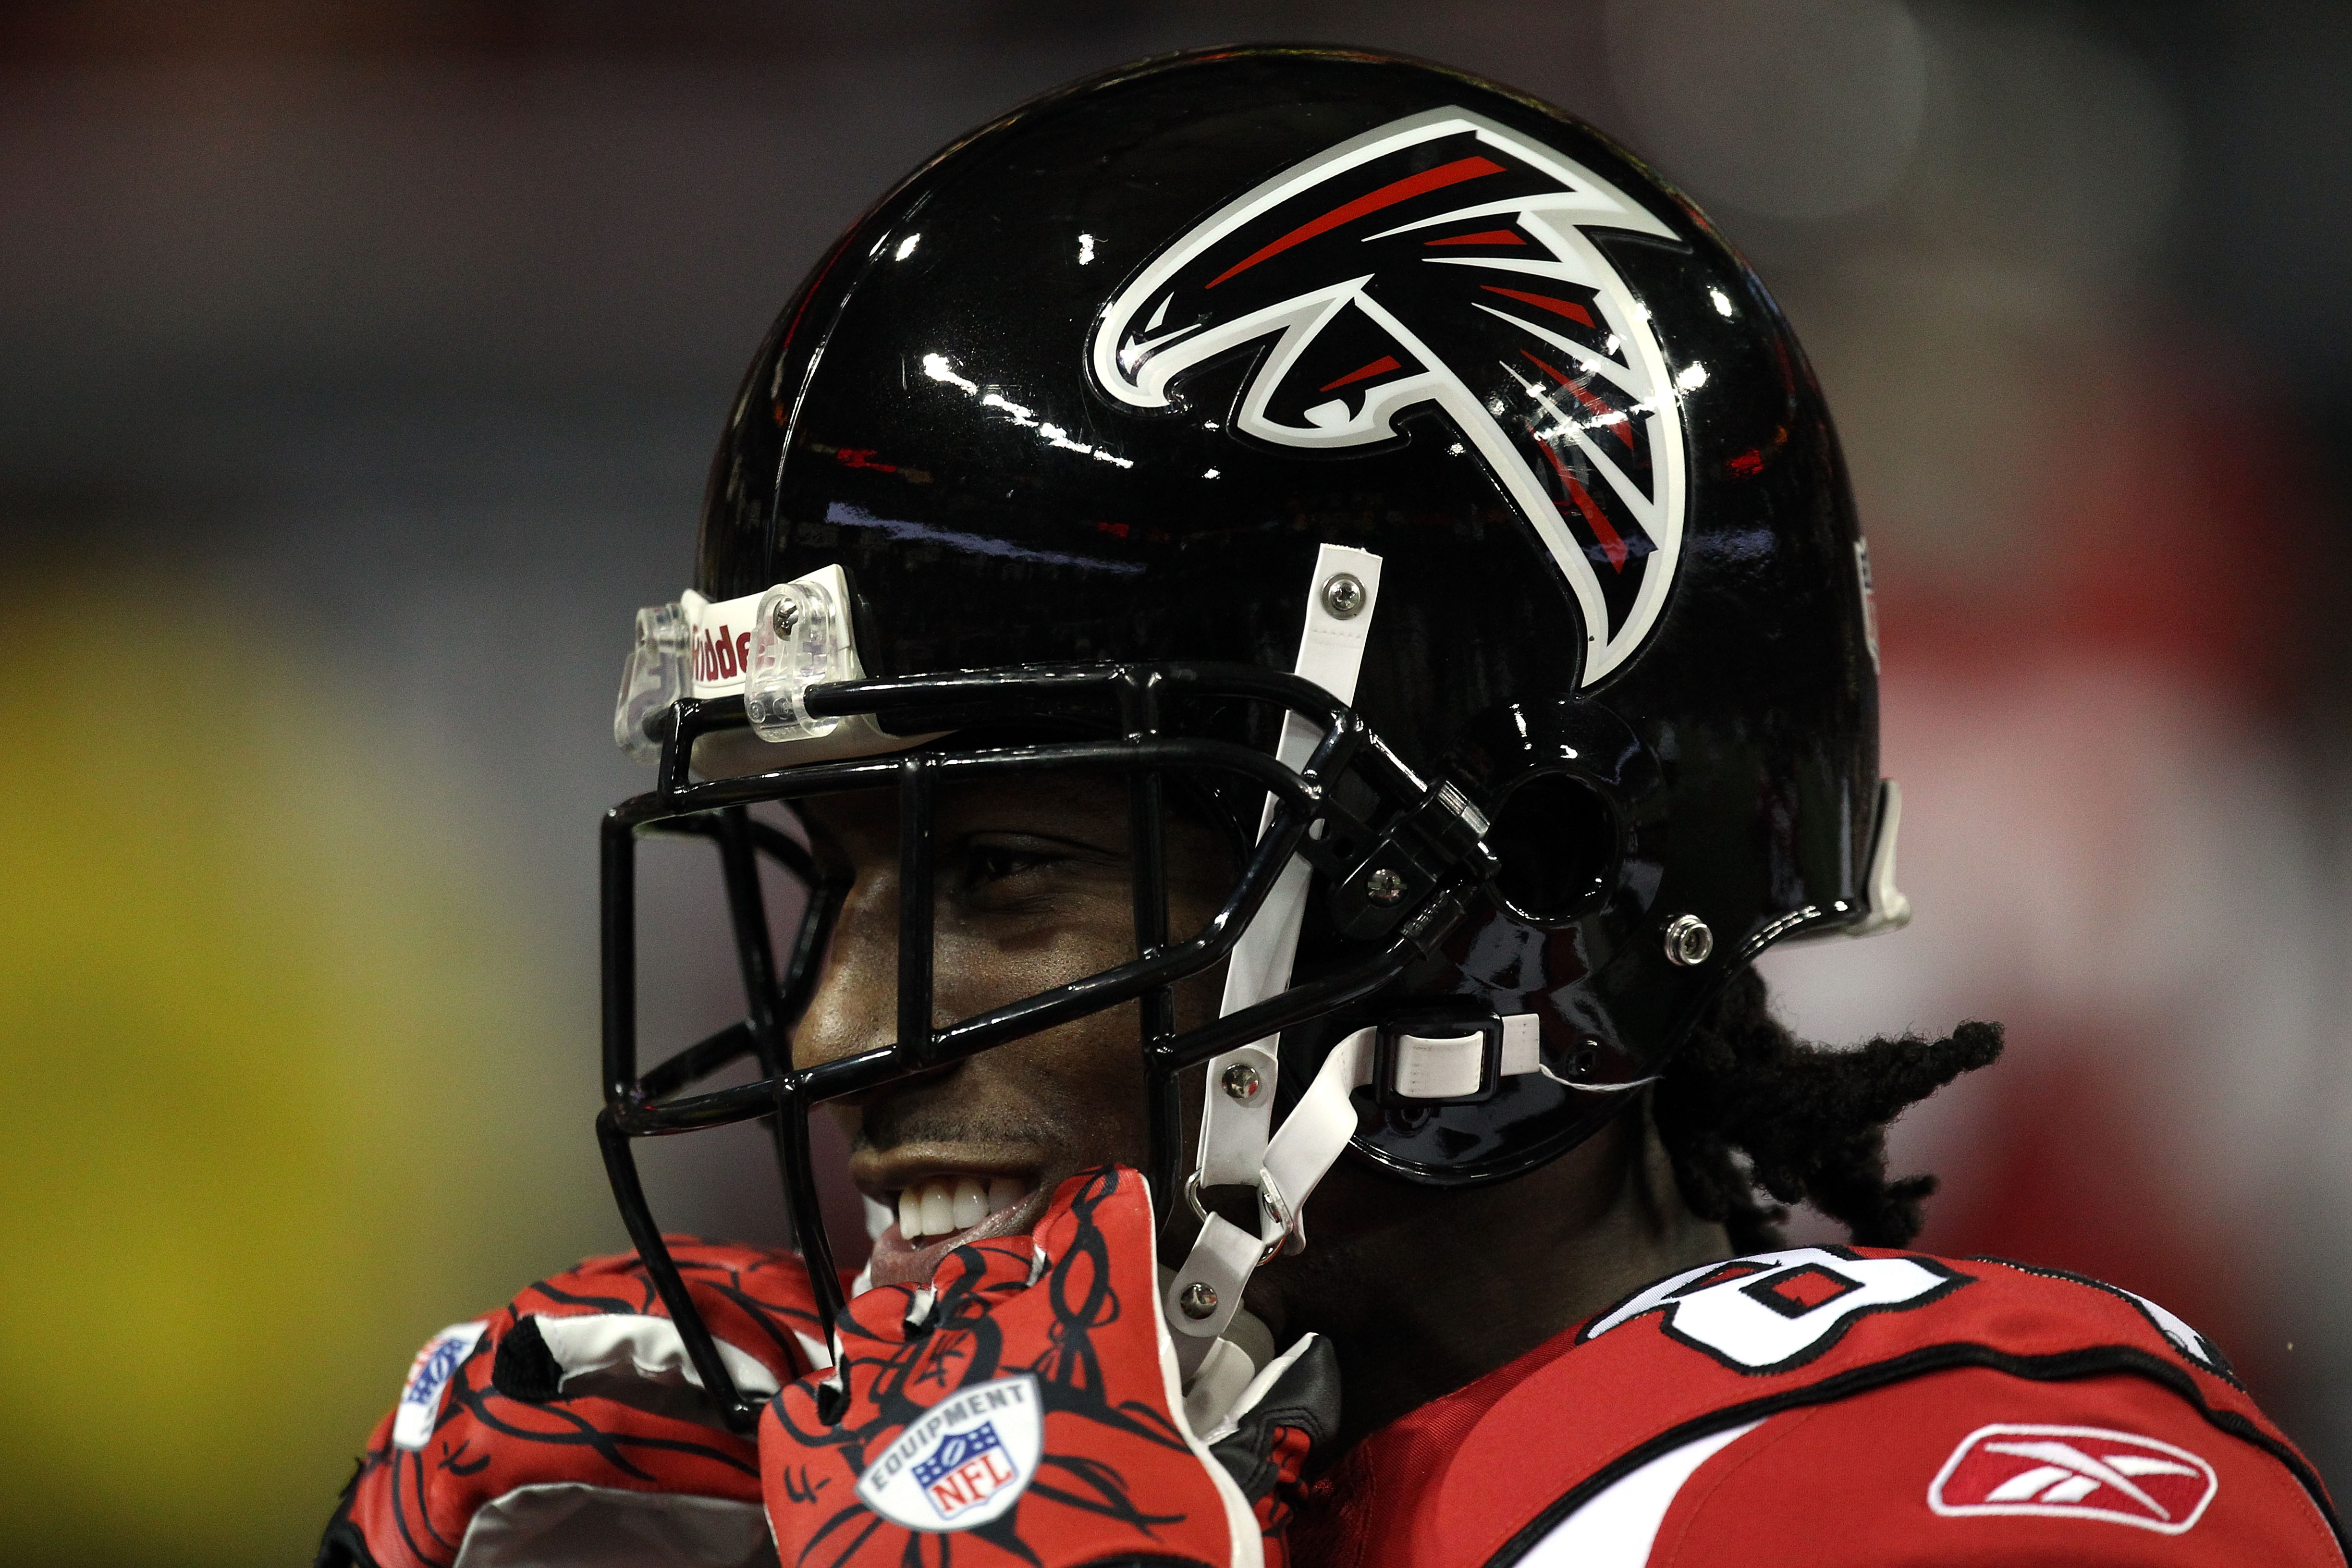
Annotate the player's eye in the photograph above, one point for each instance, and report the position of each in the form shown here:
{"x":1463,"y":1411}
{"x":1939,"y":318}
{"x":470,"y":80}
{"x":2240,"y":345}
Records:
{"x":983,"y":862}
{"x":1014,"y":873}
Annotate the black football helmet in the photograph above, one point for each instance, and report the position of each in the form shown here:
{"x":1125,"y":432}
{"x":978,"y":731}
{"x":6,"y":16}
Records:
{"x":1387,"y":461}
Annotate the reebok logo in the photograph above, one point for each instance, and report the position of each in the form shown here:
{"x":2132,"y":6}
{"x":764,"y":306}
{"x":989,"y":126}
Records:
{"x":2075,"y":1472}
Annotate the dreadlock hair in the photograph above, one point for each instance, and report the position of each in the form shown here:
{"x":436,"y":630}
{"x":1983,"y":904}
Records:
{"x":1746,"y":1105}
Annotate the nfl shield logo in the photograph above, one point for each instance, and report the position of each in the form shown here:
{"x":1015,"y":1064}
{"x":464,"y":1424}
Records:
{"x":965,"y":1470}
{"x":963,"y":1462}
{"x":428,"y":1380}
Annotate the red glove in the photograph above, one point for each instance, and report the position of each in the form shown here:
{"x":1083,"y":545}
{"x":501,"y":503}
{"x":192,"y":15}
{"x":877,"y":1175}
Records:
{"x":1028,"y":1403}
{"x":571,"y":1427}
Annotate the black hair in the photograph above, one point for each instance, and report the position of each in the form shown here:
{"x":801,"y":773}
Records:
{"x":1745,"y":1105}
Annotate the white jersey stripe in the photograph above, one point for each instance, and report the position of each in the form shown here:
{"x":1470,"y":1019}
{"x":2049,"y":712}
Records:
{"x":1617,"y":1528}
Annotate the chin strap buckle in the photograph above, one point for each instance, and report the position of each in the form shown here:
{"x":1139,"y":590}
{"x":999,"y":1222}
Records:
{"x":1449,"y":1059}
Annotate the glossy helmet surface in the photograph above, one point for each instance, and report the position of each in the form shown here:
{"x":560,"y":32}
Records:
{"x":1094,"y":386}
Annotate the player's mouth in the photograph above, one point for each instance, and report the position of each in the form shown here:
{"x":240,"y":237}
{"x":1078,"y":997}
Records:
{"x":941,"y":1210}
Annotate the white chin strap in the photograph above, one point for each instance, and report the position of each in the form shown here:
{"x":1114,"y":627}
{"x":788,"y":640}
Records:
{"x":1238,"y":1117}
{"x":1238,"y":1144}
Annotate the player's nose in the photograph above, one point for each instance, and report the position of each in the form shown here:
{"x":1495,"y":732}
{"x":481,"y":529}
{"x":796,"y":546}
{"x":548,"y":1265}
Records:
{"x":853,"y":1005}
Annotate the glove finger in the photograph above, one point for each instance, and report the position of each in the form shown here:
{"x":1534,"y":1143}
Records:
{"x":757,"y":1299}
{"x":579,"y":1389}
{"x":1034,"y":1420}
{"x":414,"y":1501}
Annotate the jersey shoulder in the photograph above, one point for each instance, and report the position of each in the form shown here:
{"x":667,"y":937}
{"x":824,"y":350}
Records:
{"x":1967,"y":1466}
{"x":1710,"y":1364}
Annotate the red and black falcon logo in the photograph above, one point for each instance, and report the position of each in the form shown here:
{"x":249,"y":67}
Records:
{"x":1442,"y":260}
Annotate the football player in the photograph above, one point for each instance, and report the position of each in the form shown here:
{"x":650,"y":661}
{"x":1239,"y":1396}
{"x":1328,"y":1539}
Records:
{"x":1297,"y":620}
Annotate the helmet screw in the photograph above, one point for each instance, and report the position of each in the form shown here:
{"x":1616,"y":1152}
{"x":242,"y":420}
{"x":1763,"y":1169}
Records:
{"x":1343,"y":595}
{"x":786,"y":617}
{"x":1198,"y":1300}
{"x":1384,"y":886}
{"x":1688,"y":942}
{"x":1242,"y":1082}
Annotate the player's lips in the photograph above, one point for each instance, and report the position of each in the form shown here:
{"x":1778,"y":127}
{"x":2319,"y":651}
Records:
{"x":941,"y":1205}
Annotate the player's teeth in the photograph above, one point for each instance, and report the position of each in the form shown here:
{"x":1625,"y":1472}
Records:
{"x":938,"y":1207}
{"x":946,"y":1204}
{"x":971,"y":1202}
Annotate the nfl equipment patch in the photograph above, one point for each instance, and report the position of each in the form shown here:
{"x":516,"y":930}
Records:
{"x":428,"y":1381}
{"x":2075,"y":1472}
{"x":965,"y":1463}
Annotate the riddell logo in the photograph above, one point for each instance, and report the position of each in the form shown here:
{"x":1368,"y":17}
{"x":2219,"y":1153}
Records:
{"x":720,"y":654}
{"x":720,"y":657}
{"x":2075,"y":1472}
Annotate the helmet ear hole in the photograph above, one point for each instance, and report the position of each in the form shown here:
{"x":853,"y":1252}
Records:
{"x":1556,"y":839}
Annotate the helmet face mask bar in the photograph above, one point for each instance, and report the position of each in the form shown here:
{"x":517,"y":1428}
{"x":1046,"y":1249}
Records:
{"x":1307,"y":821}
{"x":1048,"y":447}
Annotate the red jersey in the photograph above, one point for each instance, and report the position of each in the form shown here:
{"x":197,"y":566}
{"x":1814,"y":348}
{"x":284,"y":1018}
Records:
{"x":1830,"y":1405}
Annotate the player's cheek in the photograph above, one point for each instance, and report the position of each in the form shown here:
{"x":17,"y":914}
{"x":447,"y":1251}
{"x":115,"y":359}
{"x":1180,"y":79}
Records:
{"x":987,"y":960}
{"x":1084,"y":1080}
{"x":1086,"y":1077}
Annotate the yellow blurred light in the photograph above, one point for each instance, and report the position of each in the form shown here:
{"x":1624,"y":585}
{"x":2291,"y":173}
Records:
{"x":259,"y":1021}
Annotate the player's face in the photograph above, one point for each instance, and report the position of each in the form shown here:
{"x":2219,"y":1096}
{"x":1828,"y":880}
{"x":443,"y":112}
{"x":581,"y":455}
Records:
{"x":1032,"y":890}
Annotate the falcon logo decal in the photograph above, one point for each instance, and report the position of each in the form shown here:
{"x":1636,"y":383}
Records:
{"x":1443,"y":262}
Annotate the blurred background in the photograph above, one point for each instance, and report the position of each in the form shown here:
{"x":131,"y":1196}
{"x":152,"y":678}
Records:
{"x":359,"y":367}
